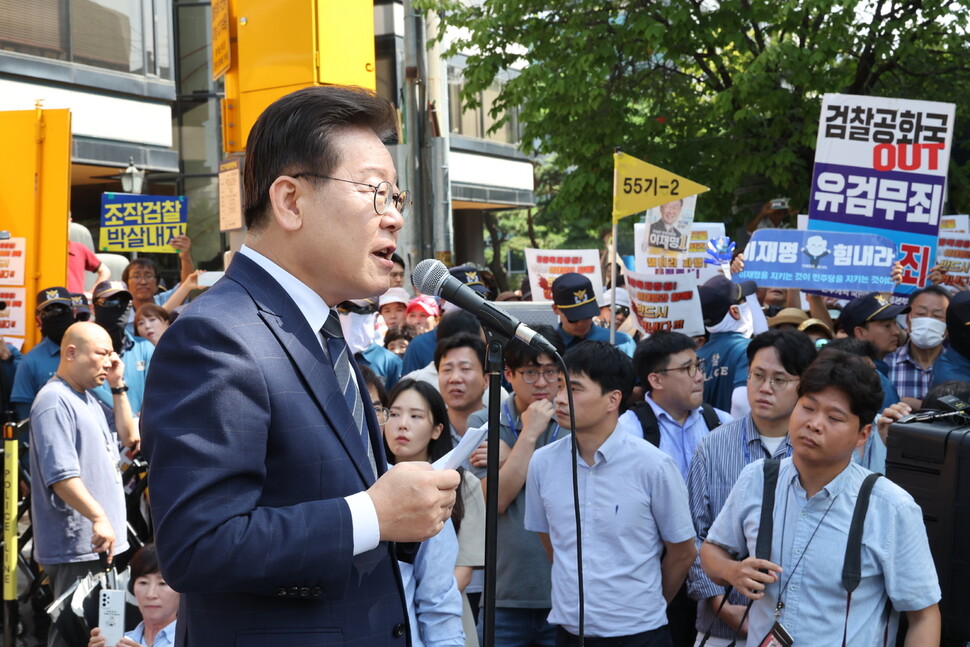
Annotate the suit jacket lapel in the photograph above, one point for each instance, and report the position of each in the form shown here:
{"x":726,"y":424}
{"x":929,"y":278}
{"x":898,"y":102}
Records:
{"x":304,"y":346}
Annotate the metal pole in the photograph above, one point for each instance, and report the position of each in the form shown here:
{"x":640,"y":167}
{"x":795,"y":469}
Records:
{"x":11,"y":483}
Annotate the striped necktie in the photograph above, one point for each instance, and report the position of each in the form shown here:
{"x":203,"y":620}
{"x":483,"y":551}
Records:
{"x":340,"y":359}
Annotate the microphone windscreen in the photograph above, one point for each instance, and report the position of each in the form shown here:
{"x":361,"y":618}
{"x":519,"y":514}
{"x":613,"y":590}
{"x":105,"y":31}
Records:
{"x":428,"y":276}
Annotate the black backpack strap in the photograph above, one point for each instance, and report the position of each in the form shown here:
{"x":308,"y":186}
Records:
{"x":852,"y":566}
{"x":766,"y":528}
{"x":710,"y":416}
{"x":648,"y":422}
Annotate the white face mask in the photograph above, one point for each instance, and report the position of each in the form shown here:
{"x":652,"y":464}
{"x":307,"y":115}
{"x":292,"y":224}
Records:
{"x":926,"y":332}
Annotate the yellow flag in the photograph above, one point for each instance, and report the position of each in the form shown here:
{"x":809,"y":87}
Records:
{"x":638,"y":186}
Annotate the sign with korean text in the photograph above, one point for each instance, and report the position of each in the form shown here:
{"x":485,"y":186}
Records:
{"x":12,"y":252}
{"x":957,"y":224}
{"x":665,"y":302}
{"x":638,"y":186}
{"x":230,"y":196}
{"x":141,"y":223}
{"x":221,"y":53}
{"x":953,"y":255}
{"x":646,"y":262}
{"x":828,"y":261}
{"x":880,"y":167}
{"x":13,"y":316}
{"x":545,"y":265}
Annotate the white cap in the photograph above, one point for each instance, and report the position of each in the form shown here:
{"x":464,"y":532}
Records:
{"x":622,"y":298}
{"x":394,"y":295}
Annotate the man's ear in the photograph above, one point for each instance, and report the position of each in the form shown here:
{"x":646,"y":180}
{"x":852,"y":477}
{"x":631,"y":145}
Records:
{"x":654,"y":380}
{"x":863,"y":436}
{"x":287,"y":197}
{"x":735,"y":312}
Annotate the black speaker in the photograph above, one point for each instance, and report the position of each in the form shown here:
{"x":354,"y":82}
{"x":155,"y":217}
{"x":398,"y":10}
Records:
{"x":930,"y":458}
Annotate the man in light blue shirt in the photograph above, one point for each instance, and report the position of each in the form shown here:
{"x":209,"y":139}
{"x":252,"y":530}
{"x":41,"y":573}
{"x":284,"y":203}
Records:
{"x":673,"y":378}
{"x":633,"y":506}
{"x":776,"y":358}
{"x":799,"y":590}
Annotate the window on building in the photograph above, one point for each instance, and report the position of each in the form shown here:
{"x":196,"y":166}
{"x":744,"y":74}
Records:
{"x":476,"y":122}
{"x":123,"y":35}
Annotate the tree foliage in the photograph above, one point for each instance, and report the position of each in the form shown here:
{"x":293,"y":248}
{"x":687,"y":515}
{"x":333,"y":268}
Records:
{"x":726,"y":93}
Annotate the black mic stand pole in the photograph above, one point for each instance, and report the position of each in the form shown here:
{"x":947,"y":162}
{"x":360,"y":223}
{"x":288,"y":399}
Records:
{"x":494,"y":365}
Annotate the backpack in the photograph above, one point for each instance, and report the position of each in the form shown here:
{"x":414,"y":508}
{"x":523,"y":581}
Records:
{"x":651,"y":428}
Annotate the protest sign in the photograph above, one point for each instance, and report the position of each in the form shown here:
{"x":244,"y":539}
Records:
{"x":880,"y":167}
{"x":13,"y":317}
{"x":12,"y":253}
{"x":638,"y":186}
{"x":665,"y":302}
{"x":957,"y":224}
{"x":953,"y":256}
{"x":141,"y":223}
{"x":646,"y":262}
{"x":819,"y":260}
{"x":545,"y":265}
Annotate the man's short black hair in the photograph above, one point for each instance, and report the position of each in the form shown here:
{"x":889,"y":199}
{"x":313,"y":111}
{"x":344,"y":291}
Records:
{"x":938,"y":290}
{"x":461,"y":340}
{"x":796,"y":350}
{"x":852,"y":375}
{"x":653,"y":353}
{"x":397,"y":260}
{"x":140,"y":262}
{"x":956,"y":388}
{"x":297,"y":134}
{"x":853,"y":346}
{"x":604,"y":364}
{"x":455,"y":322}
{"x":519,"y":354}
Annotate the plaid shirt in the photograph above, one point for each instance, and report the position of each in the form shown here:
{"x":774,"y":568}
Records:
{"x":910,"y":379}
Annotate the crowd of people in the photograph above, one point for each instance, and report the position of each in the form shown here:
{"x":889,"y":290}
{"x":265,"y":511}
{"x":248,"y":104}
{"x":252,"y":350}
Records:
{"x":291,"y":494}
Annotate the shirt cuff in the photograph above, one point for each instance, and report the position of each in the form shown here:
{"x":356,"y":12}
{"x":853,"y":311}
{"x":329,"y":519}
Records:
{"x":367,"y":529}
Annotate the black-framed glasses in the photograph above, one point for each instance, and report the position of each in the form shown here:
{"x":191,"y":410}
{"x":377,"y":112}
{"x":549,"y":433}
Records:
{"x":531,"y":375}
{"x":776,"y":383}
{"x":384,"y":195}
{"x":691,"y":369}
{"x":383,"y":413}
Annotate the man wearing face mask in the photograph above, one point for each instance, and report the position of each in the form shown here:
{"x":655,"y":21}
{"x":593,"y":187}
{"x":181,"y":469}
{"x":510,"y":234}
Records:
{"x":55,"y":314}
{"x":112,"y":306}
{"x":728,"y":319}
{"x":954,"y":363}
{"x":911,"y":365}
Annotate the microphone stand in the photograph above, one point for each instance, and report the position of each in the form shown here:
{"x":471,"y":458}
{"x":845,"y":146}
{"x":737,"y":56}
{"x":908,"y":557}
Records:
{"x":494,"y":365}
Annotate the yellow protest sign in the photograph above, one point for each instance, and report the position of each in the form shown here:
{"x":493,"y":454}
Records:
{"x":638,"y":186}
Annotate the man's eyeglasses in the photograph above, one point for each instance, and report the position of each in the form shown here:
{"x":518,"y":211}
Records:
{"x":690,"y":369}
{"x":531,"y":375}
{"x":776,"y":383}
{"x":622,"y":311}
{"x":383,"y":413}
{"x":384,"y":195}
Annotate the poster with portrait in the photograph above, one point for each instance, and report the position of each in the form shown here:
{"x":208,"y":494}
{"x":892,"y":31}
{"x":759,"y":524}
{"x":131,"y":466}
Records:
{"x":669,"y":227}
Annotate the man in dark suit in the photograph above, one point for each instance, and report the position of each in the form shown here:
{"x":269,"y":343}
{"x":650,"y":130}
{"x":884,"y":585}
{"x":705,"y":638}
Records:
{"x":275,"y":513}
{"x":664,"y":232}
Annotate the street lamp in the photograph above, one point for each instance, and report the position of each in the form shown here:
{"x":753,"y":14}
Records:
{"x":132,"y":178}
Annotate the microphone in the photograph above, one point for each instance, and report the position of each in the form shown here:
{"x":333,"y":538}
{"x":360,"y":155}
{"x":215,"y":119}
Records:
{"x":430,"y":276}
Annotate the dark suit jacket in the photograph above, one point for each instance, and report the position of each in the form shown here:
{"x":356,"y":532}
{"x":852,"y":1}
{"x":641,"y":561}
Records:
{"x":251,"y":450}
{"x":658,"y":236}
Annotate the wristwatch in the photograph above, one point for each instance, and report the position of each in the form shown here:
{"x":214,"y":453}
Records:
{"x":119,"y":390}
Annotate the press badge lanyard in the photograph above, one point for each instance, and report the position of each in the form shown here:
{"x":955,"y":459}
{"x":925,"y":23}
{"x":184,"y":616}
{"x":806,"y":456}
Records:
{"x":784,"y":520}
{"x":508,"y":414}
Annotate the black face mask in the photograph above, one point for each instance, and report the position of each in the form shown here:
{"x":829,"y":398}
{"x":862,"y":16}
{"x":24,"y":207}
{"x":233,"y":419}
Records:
{"x":55,"y":325}
{"x":113,"y":318}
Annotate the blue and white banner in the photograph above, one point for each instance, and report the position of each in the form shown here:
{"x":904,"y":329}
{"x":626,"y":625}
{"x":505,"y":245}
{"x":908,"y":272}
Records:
{"x":819,"y":261}
{"x":880,"y":167}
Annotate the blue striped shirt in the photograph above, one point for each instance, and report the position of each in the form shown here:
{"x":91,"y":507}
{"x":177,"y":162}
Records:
{"x":718,"y":460}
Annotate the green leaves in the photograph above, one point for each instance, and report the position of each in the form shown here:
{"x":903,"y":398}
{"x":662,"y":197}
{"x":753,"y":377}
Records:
{"x":726,"y":93}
